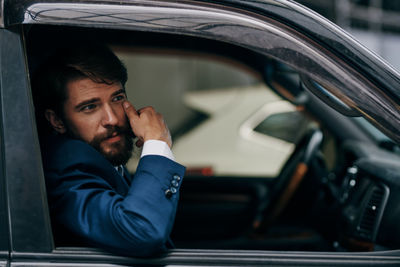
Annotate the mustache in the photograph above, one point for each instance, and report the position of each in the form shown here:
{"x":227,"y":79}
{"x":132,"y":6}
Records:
{"x":113,"y":131}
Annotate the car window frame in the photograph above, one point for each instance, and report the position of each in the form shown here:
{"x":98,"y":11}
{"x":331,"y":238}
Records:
{"x":4,"y":229}
{"x":26,"y":197}
{"x":44,"y":248}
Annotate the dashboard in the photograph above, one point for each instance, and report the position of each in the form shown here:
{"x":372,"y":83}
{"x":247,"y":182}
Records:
{"x":369,"y":197}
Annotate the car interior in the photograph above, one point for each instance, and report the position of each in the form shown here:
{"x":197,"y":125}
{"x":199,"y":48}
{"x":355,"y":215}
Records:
{"x":298,"y":176}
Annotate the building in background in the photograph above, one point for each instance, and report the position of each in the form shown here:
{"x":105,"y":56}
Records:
{"x":375,"y":23}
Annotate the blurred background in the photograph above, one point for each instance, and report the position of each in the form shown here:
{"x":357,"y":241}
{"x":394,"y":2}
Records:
{"x":375,"y":23}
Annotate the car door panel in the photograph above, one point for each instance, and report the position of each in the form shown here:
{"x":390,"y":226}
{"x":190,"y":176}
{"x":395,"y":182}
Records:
{"x":94,"y":257}
{"x":218,"y":208}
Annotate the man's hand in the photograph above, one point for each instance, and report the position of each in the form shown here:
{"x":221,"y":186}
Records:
{"x":147,"y":124}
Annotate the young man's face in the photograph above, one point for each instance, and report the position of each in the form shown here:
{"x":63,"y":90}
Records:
{"x":93,"y":112}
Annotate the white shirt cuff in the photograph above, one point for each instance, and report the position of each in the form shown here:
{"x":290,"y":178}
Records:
{"x":157,"y":147}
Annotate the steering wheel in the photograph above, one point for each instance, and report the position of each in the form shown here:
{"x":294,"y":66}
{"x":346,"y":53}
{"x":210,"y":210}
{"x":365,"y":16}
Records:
{"x":289,"y":180}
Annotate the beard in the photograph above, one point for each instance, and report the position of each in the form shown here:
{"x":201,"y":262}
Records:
{"x":118,"y":153}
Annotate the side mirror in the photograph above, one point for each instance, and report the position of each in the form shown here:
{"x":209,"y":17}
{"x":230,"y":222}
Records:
{"x":285,"y":82}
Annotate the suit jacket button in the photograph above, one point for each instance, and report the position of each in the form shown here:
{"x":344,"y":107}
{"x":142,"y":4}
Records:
{"x":168,"y":193}
{"x":174,"y":183}
{"x":177,"y":178}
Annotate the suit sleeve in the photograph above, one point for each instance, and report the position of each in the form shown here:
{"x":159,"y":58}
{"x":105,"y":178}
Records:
{"x":137,"y":224}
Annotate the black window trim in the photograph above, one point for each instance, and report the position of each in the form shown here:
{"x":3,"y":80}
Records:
{"x":4,"y":226}
{"x":29,"y":219}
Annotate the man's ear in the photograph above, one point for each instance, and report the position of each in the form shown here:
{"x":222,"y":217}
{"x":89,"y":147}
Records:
{"x":55,"y":121}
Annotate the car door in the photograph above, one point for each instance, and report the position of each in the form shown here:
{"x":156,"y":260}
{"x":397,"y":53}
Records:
{"x":30,"y":230}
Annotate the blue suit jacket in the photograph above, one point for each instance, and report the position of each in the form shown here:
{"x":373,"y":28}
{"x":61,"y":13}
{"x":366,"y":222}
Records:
{"x":89,"y":199}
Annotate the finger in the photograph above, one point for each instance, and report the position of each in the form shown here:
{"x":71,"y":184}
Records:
{"x":130,"y":110}
{"x":146,"y":109}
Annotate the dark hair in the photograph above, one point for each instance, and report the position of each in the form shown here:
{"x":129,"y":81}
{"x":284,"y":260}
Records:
{"x":49,"y":84}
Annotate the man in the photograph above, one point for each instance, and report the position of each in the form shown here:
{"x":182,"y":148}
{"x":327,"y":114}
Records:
{"x":80,"y":94}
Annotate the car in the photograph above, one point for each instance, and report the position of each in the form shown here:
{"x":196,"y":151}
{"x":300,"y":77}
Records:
{"x":330,"y":196}
{"x":266,"y":126}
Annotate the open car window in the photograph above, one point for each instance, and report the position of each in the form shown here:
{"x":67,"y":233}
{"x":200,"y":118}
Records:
{"x":252,"y":157}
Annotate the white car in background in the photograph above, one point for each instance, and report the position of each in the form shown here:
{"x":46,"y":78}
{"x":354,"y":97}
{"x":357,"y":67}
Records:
{"x":246,"y":133}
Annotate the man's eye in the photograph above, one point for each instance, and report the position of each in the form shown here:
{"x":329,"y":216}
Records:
{"x":88,"y":107}
{"x":118,"y":98}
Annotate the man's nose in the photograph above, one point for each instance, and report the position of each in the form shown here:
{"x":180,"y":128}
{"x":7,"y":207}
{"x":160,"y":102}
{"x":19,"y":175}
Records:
{"x":109,"y":116}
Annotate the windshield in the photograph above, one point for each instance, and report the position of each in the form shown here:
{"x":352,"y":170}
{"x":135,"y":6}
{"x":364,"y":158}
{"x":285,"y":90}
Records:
{"x":380,"y":138}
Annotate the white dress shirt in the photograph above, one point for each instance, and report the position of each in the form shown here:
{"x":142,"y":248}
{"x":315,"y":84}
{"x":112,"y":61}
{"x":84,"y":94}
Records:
{"x":157,"y":147}
{"x":151,"y":147}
